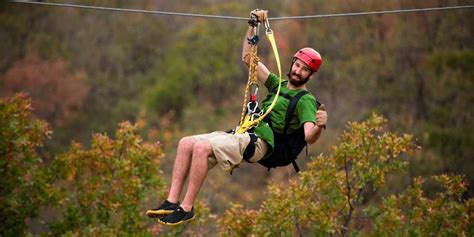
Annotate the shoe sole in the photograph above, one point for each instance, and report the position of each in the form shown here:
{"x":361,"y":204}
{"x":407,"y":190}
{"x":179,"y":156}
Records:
{"x":177,"y":223}
{"x":158,"y":214}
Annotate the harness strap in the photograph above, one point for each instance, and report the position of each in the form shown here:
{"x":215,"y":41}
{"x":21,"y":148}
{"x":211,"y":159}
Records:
{"x":291,"y":109}
{"x":289,"y":115}
{"x":250,"y":149}
{"x":289,"y":97}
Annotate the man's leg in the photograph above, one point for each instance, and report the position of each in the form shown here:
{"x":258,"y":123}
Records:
{"x":180,"y":172}
{"x":197,"y":173}
{"x":181,"y":168}
{"x":199,"y":168}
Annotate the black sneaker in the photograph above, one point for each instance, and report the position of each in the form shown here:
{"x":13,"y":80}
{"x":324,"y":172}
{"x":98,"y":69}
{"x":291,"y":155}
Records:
{"x":179,"y":216}
{"x":163,"y":210}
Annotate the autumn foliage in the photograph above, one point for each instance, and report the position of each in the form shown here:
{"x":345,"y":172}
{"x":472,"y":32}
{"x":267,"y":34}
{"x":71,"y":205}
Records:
{"x":57,"y":93}
{"x":414,"y":213}
{"x":329,"y":198}
{"x":101,"y":190}
{"x":23,"y":185}
{"x":94,"y":192}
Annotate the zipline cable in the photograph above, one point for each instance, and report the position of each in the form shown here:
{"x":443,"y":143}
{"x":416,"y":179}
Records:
{"x":374,"y":12}
{"x":130,"y":10}
{"x":244,"y":18}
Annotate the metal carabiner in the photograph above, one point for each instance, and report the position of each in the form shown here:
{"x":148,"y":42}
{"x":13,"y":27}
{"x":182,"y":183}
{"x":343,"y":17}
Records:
{"x":251,"y":110}
{"x":256,"y":115}
{"x":268,"y":30}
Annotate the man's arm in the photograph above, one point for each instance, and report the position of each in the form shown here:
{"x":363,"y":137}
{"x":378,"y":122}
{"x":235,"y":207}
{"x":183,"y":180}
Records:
{"x":262,"y":70}
{"x":312,"y":131}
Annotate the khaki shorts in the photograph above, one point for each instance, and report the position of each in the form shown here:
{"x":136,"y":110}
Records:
{"x":229,"y":148}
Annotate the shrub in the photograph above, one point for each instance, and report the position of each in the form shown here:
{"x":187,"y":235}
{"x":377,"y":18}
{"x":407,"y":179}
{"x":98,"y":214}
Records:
{"x":328,"y":198}
{"x":24,"y":184}
{"x":101,"y":188}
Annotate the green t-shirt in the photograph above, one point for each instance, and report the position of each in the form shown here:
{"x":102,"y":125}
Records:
{"x":305,"y":111}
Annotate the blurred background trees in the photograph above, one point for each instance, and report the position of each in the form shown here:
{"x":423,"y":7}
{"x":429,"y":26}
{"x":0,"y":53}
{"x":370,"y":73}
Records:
{"x":87,"y":71}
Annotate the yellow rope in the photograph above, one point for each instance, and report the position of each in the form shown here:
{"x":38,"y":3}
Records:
{"x":252,"y":80}
{"x":253,"y":64}
{"x":247,"y":123}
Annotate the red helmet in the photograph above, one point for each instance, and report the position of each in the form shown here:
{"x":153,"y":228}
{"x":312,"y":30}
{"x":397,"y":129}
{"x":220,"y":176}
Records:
{"x":309,"y":56}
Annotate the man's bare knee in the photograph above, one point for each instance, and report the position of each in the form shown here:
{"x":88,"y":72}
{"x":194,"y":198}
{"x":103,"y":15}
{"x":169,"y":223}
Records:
{"x":186,"y":143}
{"x":202,"y":148}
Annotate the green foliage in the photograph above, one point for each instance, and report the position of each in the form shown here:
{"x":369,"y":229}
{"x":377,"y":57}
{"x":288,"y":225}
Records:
{"x":23,"y":186}
{"x":412,"y":213}
{"x":101,"y":188}
{"x":201,"y":65}
{"x":178,"y":69}
{"x":237,"y":221}
{"x":100,"y":191}
{"x":329,"y":198}
{"x":449,"y":129}
{"x":182,"y":75}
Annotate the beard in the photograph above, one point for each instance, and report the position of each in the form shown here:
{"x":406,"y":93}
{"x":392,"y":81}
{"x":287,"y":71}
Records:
{"x":295,"y":82}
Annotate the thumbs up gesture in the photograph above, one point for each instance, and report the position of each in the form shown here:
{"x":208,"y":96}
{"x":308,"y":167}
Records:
{"x":321,"y":116}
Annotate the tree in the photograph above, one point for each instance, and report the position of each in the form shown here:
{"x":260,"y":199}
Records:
{"x":57,"y":95}
{"x":413,"y":213}
{"x":330,"y":198}
{"x":101,"y":189}
{"x":23,"y":186}
{"x":90,"y":192}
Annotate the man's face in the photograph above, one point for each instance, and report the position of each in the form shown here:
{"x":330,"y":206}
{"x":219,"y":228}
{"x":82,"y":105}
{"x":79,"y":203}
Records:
{"x":300,"y":73}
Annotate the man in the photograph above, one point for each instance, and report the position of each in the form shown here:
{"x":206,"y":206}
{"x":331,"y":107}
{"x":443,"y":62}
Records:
{"x":197,"y":154}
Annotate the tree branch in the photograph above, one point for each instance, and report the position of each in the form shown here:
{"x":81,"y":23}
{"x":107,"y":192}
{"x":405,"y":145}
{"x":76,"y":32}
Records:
{"x":351,"y":208}
{"x":298,"y":227}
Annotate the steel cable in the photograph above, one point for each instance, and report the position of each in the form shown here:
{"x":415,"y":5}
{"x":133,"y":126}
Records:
{"x":243,"y":18}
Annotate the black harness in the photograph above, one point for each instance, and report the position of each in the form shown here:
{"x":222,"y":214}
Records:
{"x":281,"y":140}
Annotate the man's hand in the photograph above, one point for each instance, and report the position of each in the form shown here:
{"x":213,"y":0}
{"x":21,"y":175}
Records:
{"x":321,"y":116}
{"x":312,"y":131}
{"x":257,"y":16}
